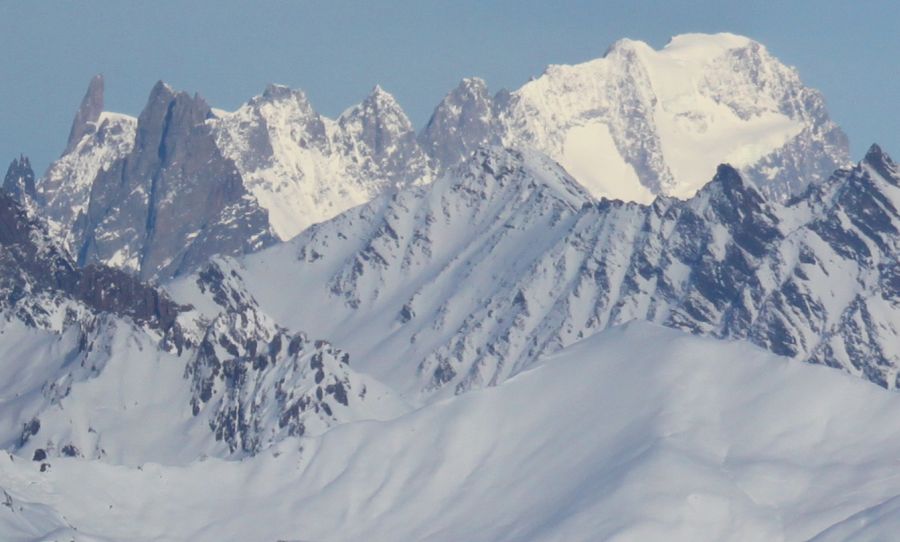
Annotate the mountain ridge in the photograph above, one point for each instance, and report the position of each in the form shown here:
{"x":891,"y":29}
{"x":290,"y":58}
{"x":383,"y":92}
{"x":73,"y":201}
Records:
{"x":620,"y":124}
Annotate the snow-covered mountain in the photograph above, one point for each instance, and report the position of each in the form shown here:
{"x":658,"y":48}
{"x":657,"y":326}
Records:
{"x":99,"y":365}
{"x":304,"y":168}
{"x":638,"y":433}
{"x":630,"y":125}
{"x":153,"y":196}
{"x":464,"y":282}
{"x":267,"y":324}
{"x":639,"y":122}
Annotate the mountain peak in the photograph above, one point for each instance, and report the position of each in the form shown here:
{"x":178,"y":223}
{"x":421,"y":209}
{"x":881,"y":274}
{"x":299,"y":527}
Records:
{"x":88,"y":112}
{"x":167,"y":108}
{"x":19,"y":181}
{"x":476,"y":83}
{"x":381,"y":98}
{"x":876,"y":155}
{"x":625,"y":44}
{"x":161,"y":92}
{"x":379,"y":107}
{"x":461,"y":123}
{"x":879,"y":160}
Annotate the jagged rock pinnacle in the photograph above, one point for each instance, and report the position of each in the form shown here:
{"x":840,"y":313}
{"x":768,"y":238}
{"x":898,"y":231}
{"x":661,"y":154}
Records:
{"x":88,"y":112}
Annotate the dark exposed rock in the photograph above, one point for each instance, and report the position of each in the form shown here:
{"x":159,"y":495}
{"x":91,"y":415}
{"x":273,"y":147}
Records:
{"x":174,"y":201}
{"x":70,"y":450}
{"x":31,"y":262}
{"x":464,"y":121}
{"x":242,"y":376}
{"x":19,"y":181}
{"x":29,"y":430}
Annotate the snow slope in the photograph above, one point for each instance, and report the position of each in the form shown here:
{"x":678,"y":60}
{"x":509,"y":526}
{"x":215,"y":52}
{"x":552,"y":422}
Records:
{"x":461,"y":283}
{"x":638,"y":433}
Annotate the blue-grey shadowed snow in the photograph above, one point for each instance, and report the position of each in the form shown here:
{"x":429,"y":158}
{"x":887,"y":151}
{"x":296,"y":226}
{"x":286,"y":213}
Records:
{"x":227,"y":51}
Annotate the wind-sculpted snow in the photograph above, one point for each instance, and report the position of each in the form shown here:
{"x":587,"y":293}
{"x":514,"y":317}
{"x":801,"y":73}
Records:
{"x":638,"y":433}
{"x":462,"y":283}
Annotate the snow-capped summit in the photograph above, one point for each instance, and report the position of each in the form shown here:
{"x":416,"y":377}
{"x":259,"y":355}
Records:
{"x":631,"y":125}
{"x":640,"y":122}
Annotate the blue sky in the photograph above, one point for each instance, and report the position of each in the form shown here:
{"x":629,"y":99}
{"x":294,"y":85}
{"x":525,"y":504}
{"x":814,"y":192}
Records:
{"x":228,"y":50}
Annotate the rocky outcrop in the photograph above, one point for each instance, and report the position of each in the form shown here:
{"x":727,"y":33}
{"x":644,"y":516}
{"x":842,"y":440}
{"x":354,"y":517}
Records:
{"x":174,"y":200}
{"x":464,"y":121}
{"x":508,"y":259}
{"x":37,"y":276}
{"x":19,"y":181}
{"x":256,"y":383}
{"x":88,"y":114}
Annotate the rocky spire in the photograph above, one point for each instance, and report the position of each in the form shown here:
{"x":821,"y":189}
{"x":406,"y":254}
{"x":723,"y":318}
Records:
{"x":88,"y":112}
{"x":461,"y":123}
{"x":19,"y":180}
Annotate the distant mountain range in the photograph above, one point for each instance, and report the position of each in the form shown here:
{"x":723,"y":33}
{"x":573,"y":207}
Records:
{"x":632,"y":125}
{"x":271,"y":283}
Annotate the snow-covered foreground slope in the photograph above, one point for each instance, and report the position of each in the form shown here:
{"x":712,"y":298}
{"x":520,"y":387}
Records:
{"x":639,"y":433}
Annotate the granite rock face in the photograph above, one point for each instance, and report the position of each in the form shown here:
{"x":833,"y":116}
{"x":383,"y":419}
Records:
{"x":464,"y":121}
{"x":88,"y":113}
{"x":19,"y":181}
{"x":174,"y":200}
{"x":37,"y":277}
{"x":96,"y":141}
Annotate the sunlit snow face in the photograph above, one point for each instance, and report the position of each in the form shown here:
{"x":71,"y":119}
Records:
{"x":639,"y":122}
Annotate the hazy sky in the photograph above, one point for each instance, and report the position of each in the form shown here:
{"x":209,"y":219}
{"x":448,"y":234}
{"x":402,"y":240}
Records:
{"x":228,"y":50}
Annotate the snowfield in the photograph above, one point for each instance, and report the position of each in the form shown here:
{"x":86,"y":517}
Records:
{"x":637,"y":433}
